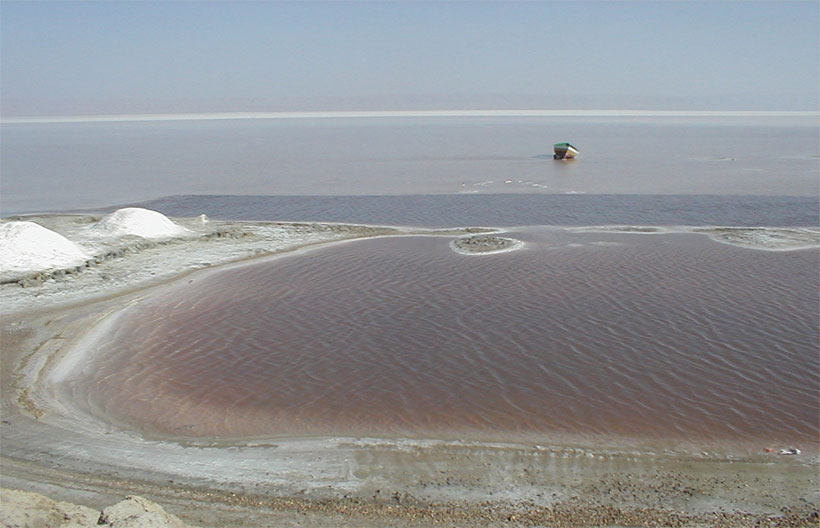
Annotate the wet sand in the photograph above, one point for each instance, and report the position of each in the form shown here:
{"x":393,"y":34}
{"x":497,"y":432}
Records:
{"x":49,"y":448}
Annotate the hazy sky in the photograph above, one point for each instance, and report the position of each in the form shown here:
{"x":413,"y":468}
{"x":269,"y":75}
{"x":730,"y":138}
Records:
{"x":102,"y":57}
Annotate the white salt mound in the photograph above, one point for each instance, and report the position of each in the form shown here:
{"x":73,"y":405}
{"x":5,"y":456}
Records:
{"x":26,"y":247}
{"x":137,"y":221}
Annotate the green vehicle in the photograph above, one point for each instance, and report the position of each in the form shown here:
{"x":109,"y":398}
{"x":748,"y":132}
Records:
{"x":564,"y":151}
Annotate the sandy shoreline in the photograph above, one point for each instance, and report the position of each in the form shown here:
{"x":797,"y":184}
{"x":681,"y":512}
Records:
{"x":49,"y":448}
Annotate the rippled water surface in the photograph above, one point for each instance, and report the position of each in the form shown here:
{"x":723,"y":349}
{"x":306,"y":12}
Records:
{"x":664,"y":336}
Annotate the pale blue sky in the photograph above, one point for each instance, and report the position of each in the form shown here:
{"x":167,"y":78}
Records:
{"x":115,"y":57}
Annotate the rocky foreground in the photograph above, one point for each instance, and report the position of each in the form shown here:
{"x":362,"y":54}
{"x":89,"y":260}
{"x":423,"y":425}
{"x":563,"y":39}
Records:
{"x":21,"y":509}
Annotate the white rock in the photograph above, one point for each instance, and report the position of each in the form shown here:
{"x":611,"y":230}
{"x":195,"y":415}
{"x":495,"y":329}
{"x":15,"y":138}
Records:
{"x":136,"y":512}
{"x":25,"y":509}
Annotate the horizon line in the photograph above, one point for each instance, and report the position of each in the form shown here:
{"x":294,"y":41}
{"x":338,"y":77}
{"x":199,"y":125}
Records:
{"x":331,"y":114}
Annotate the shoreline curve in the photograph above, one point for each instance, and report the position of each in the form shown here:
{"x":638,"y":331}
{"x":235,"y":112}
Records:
{"x":48,"y":448}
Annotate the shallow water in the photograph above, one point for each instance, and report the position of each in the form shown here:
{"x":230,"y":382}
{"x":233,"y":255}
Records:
{"x":629,"y":336}
{"x":665,"y":336}
{"x":507,"y":210}
{"x":62,"y":166}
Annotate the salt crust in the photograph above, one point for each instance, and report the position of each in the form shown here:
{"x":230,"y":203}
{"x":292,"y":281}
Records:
{"x":26,"y":246}
{"x":112,"y":263}
{"x":139,"y":222}
{"x":760,"y":238}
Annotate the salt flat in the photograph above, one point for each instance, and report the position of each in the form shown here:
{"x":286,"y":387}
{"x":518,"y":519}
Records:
{"x":218,"y":116}
{"x":51,"y":448}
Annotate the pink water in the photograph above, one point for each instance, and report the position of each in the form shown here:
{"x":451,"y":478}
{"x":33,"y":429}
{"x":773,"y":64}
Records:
{"x":622,"y":335}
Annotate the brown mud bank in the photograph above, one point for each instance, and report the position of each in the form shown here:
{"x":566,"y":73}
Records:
{"x":48,"y":446}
